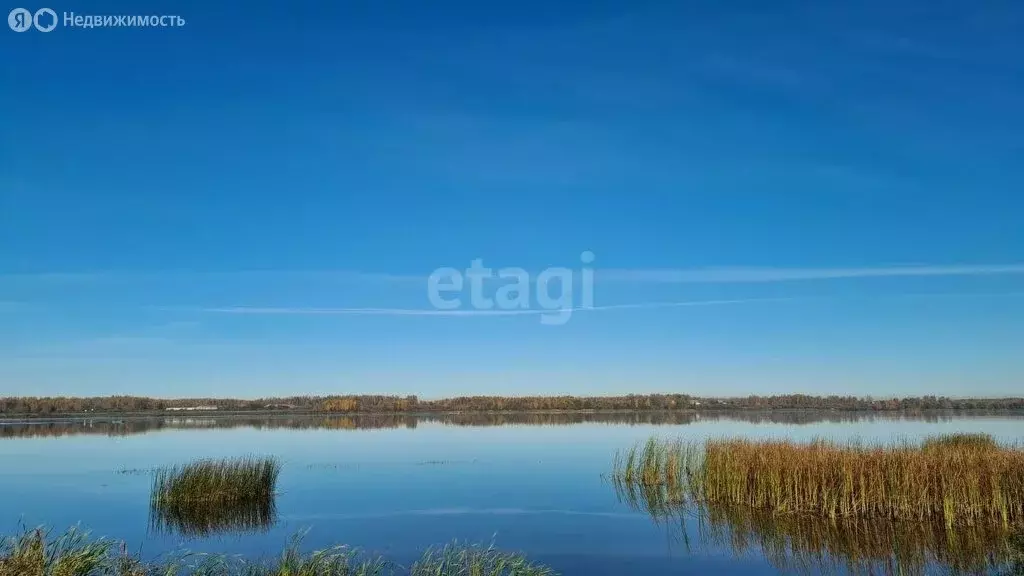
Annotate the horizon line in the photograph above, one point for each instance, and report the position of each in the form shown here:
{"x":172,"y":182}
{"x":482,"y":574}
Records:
{"x":864,"y":397}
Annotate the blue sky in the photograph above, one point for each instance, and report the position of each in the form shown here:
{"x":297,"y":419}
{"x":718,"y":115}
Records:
{"x":251,"y":204}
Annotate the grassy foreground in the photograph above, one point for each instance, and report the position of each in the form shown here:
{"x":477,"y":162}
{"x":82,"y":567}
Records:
{"x":960,"y":479}
{"x":38,"y":553}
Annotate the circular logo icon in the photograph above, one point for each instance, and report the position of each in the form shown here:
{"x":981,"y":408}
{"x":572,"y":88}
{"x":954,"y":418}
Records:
{"x":20,"y":19}
{"x":46,"y":19}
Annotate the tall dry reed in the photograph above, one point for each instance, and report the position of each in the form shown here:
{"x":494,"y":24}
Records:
{"x":216,"y":481}
{"x":955,"y":480}
{"x":215,"y":496}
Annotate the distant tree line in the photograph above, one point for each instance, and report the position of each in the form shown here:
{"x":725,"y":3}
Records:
{"x":44,"y":406}
{"x":119,"y":425}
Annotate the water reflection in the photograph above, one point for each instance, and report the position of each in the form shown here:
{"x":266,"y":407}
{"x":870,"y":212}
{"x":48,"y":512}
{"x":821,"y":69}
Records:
{"x":822,"y":545}
{"x":115,"y":426}
{"x":198,"y":520}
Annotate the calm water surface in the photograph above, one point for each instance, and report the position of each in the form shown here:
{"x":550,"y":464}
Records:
{"x":396,"y":485}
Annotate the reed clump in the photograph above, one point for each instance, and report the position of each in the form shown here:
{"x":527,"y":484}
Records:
{"x":960,"y":480}
{"x":217,"y":481}
{"x":209,"y":497}
{"x":960,"y":440}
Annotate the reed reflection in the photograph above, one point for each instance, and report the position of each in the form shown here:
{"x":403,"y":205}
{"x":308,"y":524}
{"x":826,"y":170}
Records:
{"x":210,"y":497}
{"x":199,"y":521}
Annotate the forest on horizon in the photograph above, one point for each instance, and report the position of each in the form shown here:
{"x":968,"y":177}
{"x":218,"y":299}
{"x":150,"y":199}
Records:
{"x":348,"y":404}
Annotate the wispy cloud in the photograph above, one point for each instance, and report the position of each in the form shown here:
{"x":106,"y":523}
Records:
{"x":297,"y":311}
{"x":713,"y":275}
{"x":106,"y":277}
{"x":771,"y":274}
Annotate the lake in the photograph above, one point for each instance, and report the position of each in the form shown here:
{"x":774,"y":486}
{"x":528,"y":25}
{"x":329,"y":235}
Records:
{"x":395,"y":485}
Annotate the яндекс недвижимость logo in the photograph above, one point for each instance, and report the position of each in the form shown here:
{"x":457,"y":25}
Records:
{"x":20,"y":19}
{"x":46,"y":20}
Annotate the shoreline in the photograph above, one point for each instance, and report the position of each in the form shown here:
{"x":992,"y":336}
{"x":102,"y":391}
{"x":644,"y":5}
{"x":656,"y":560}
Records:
{"x":78,"y":416}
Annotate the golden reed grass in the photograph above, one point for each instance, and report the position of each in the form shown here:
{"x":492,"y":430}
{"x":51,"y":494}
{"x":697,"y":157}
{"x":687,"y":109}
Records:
{"x":956,"y":480}
{"x":206,"y":497}
{"x":216,"y":481}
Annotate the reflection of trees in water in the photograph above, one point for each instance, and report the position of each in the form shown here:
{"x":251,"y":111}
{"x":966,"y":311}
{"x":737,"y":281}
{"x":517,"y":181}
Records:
{"x":141,"y":425}
{"x":201,"y":519}
{"x":809,"y":544}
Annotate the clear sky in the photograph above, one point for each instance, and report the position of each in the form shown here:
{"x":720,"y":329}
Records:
{"x":251,"y":204}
